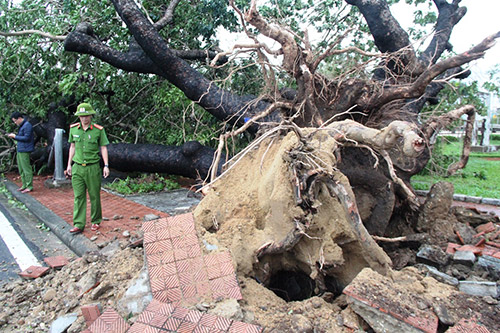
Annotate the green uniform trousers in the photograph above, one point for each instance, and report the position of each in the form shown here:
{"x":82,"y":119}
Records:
{"x":86,"y":179}
{"x":25,"y":170}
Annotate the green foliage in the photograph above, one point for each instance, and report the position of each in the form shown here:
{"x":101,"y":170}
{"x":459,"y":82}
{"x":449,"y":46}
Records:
{"x":439,"y":162}
{"x":453,"y":96}
{"x":11,"y":199}
{"x":145,"y":183}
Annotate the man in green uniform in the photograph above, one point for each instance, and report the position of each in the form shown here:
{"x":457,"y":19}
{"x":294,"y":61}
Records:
{"x":87,"y":139}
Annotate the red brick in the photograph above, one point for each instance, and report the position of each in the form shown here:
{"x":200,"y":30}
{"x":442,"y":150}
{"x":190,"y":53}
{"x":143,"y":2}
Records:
{"x":489,"y":250}
{"x":480,"y":242}
{"x":469,"y":326}
{"x":473,"y":249}
{"x":34,"y":272}
{"x":495,"y":244}
{"x":452,"y":247}
{"x":56,"y":262}
{"x":90,"y":313}
{"x":495,"y":235}
{"x":460,"y":237}
{"x":487,"y":227}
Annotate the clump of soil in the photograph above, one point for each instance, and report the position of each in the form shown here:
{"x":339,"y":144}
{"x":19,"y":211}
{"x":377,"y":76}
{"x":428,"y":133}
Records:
{"x":32,"y":305}
{"x":257,"y":212}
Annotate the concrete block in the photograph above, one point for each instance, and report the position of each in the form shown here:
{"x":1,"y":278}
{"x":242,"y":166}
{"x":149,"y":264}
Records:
{"x":473,"y":199}
{"x":459,"y":197}
{"x":138,"y":295}
{"x":491,"y":201}
{"x":467,"y":258}
{"x":491,"y":265}
{"x":432,"y":255}
{"x":387,"y":306}
{"x":61,"y":324}
{"x":440,"y":276}
{"x":478,"y":288}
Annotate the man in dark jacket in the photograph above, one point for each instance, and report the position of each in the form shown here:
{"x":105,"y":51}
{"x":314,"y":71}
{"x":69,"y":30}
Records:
{"x":25,"y":145}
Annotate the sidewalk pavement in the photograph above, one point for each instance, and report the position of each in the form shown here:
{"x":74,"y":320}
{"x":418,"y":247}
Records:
{"x":54,"y":207}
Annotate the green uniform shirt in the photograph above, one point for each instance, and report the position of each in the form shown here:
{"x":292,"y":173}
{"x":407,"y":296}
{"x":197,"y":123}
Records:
{"x":87,"y":143}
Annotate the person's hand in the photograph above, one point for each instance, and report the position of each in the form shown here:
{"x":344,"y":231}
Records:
{"x":105,"y":172}
{"x":68,"y":170}
{"x":11,"y":135}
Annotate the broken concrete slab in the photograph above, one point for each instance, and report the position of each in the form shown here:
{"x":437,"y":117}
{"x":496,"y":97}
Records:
{"x":440,"y":276}
{"x":437,"y":205}
{"x":490,"y":264}
{"x":388,"y":307}
{"x":110,"y":249}
{"x":61,"y":324}
{"x":432,"y":255}
{"x":471,"y":216}
{"x":138,"y":295}
{"x":467,"y":258}
{"x":478,"y":288}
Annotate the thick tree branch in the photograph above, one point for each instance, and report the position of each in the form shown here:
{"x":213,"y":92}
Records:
{"x":33,"y":32}
{"x":168,"y":16}
{"x":83,"y":41}
{"x":290,"y":48}
{"x":132,"y":61}
{"x":449,"y":16}
{"x":385,"y":29}
{"x":417,"y":88}
{"x":220,"y":103}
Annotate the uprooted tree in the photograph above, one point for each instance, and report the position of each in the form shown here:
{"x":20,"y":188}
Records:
{"x":365,"y":118}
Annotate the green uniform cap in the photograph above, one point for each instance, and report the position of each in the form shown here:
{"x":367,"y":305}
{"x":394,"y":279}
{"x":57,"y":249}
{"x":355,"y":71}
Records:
{"x":84,"y":109}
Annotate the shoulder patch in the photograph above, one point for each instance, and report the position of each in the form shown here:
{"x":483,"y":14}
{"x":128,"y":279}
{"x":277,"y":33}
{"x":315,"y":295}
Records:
{"x":75,"y":124}
{"x":98,"y":126}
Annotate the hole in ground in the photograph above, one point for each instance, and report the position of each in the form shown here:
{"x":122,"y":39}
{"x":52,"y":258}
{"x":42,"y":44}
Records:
{"x":292,"y":286}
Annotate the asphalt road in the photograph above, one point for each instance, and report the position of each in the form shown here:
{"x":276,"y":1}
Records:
{"x":24,"y":241}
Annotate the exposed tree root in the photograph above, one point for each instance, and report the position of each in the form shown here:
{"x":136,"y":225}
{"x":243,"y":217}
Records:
{"x":436,"y":124}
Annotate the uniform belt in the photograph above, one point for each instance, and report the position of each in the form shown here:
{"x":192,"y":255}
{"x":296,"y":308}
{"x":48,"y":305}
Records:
{"x":86,"y":164}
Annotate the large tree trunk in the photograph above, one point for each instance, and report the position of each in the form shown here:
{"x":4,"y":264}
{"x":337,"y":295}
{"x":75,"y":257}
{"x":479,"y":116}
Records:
{"x":398,"y":90}
{"x":192,"y":159}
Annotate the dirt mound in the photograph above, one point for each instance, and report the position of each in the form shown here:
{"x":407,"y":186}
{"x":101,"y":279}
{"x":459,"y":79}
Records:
{"x":271,"y":224}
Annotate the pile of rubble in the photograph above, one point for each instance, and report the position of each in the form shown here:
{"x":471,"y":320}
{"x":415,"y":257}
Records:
{"x":35,"y":305}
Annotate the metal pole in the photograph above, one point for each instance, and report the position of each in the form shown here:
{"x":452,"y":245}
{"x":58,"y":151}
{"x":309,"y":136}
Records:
{"x":487,"y":132}
{"x":58,"y":155}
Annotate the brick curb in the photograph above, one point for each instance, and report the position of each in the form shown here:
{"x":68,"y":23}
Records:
{"x":79,"y":244}
{"x":465,"y":198}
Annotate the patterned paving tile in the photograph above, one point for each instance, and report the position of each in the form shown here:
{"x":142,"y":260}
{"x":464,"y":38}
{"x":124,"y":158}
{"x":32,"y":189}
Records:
{"x":109,"y":321}
{"x":163,"y":317}
{"x":178,"y":270}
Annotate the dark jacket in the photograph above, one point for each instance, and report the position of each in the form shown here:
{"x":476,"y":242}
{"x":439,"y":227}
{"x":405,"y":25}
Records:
{"x":25,"y":139}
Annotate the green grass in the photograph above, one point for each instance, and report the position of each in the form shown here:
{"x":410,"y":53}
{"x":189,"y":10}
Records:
{"x":481,"y":177}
